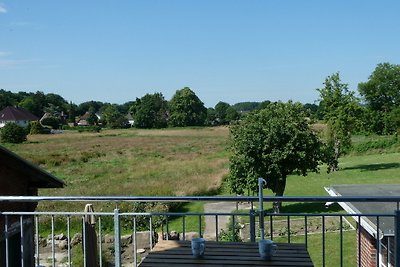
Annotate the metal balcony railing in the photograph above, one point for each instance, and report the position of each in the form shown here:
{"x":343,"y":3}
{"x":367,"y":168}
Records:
{"x":332,"y":237}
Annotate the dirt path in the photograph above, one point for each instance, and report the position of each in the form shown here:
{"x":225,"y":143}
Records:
{"x":210,"y":221}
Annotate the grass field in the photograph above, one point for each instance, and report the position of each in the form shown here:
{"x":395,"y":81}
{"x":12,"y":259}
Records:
{"x":192,"y":162}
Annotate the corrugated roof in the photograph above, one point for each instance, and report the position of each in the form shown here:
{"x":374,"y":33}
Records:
{"x":386,"y":224}
{"x":36,"y":176}
{"x":16,"y":114}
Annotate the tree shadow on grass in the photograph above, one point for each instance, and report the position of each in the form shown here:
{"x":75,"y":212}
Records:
{"x":374,"y":167}
{"x":309,"y":208}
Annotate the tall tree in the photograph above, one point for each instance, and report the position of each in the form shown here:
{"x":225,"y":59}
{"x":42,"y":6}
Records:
{"x":113,"y":118}
{"x":272,"y":143}
{"x":186,"y":109}
{"x":220,"y":112}
{"x":340,"y":109}
{"x":382,"y":95}
{"x":151,"y":111}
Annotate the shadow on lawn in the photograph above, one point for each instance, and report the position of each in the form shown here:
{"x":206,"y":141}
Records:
{"x":374,"y":167}
{"x":309,"y":208}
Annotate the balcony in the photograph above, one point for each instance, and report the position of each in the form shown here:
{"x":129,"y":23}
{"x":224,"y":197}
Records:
{"x":113,"y":237}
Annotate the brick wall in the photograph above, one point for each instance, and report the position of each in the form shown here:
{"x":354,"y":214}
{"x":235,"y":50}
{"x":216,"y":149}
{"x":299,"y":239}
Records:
{"x":367,"y":248}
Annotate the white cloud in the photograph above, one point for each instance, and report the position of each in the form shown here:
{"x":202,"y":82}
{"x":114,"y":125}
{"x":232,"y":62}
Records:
{"x":2,"y":9}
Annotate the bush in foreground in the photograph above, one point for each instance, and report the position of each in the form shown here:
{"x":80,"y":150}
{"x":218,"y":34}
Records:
{"x":12,"y":133}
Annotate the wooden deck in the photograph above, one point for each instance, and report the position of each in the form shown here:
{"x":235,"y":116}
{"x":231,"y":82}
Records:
{"x":178,"y":253}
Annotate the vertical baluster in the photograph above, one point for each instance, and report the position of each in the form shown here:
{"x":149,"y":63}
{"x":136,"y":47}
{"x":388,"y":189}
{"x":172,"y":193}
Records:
{"x":288,"y":227}
{"x":341,"y":240}
{"x":216,"y":228}
{"x":117,"y":238}
{"x":84,"y":240}
{"x":134,"y":242}
{"x":200,"y":225}
{"x":53,"y":251}
{"x":21,"y":228}
{"x":151,"y":232}
{"x":306,"y":230}
{"x":6,"y":237}
{"x":69,"y":239}
{"x":37,"y":258}
{"x":271,"y":227}
{"x":167,"y":228}
{"x":100,"y":244}
{"x":378,"y":243}
{"x":323,"y":240}
{"x":184,"y":227}
{"x":359,"y":240}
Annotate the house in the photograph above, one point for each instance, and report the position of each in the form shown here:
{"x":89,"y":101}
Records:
{"x":17,"y":115}
{"x":371,"y":241}
{"x":84,"y":119}
{"x":18,"y":177}
{"x":130,"y":119}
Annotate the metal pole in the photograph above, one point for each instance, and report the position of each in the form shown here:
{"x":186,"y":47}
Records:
{"x":261,"y":183}
{"x":117,"y":238}
{"x":397,"y":238}
{"x":252,"y":226}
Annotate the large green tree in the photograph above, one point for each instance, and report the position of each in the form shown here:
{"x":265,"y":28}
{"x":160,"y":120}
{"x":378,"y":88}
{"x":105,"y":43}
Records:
{"x":220,"y":112}
{"x":272,"y":143}
{"x":150,"y":111}
{"x":186,"y":109}
{"x":340,"y":109}
{"x":381,"y":94}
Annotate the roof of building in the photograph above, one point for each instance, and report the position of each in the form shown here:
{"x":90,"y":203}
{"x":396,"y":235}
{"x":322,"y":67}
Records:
{"x":386,"y":223}
{"x":16,"y":114}
{"x":36,"y":176}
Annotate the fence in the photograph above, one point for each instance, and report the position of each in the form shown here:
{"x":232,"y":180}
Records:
{"x":24,"y":230}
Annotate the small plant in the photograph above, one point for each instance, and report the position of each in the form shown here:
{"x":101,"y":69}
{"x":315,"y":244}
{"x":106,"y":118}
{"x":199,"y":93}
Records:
{"x":231,"y":235}
{"x":12,"y":133}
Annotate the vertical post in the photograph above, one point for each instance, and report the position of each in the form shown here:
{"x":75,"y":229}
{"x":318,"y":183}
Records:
{"x":21,"y":227}
{"x":252,"y":226}
{"x":117,"y":238}
{"x":397,"y":238}
{"x":6,"y":236}
{"x":37,"y":241}
{"x":261,"y":182}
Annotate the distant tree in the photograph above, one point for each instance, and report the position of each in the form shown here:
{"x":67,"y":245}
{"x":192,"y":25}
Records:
{"x":381,"y":94}
{"x":220,"y":112}
{"x":272,"y":143}
{"x":124,"y":108}
{"x":113,"y":118}
{"x":71,"y":112}
{"x":51,"y":122}
{"x":35,"y":103}
{"x":151,"y":111}
{"x":341,"y":111}
{"x":232,"y":115}
{"x":92,"y":119}
{"x":211,"y":118}
{"x":35,"y":127}
{"x":186,"y":109}
{"x":7,"y":99}
{"x":312,"y":111}
{"x":82,"y":108}
{"x":246,"y":106}
{"x":12,"y":133}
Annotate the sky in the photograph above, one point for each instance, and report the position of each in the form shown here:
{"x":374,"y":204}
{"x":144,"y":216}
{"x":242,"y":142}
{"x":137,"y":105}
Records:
{"x":231,"y":51}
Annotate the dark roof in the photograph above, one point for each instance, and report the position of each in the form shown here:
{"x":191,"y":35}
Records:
{"x":386,"y":224}
{"x":16,"y":114}
{"x":36,"y":176}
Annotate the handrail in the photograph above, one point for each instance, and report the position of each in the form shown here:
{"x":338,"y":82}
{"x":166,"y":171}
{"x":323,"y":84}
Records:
{"x":200,"y":198}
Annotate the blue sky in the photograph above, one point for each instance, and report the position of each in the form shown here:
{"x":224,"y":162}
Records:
{"x":232,"y":51}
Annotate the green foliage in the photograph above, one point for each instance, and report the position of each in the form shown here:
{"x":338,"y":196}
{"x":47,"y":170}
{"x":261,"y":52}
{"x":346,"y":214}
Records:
{"x":12,"y":133}
{"x":375,"y":144}
{"x":382,"y":95}
{"x":230,"y":235}
{"x":232,"y":114}
{"x":35,"y":127}
{"x":186,"y":109}
{"x":341,"y":112}
{"x":52,"y":122}
{"x":151,"y":111}
{"x":112,"y":118}
{"x":211,"y":118}
{"x":272,"y":143}
{"x":221,"y":112}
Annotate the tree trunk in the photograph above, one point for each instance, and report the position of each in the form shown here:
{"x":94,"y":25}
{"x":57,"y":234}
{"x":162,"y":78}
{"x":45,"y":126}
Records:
{"x":335,"y":165}
{"x":279,"y":190}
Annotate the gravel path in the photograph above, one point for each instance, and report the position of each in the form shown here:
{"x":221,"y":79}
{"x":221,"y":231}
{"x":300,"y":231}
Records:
{"x":210,"y":221}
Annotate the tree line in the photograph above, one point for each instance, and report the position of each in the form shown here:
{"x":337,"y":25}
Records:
{"x":376,"y":109}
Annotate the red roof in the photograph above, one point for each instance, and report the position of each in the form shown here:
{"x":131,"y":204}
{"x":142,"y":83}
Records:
{"x":16,"y":114}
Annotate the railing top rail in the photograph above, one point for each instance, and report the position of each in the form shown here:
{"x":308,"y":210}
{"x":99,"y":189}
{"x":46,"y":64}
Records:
{"x":198,"y":198}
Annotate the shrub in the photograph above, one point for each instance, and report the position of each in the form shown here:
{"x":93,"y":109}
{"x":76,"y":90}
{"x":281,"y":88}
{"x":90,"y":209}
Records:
{"x":12,"y":133}
{"x":52,"y":122}
{"x":35,"y":127}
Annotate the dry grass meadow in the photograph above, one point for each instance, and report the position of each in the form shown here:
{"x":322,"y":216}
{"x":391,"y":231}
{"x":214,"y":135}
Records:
{"x":128,"y":162}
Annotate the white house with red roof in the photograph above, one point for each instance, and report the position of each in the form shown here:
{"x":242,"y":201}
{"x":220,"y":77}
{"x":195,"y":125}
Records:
{"x":17,"y":115}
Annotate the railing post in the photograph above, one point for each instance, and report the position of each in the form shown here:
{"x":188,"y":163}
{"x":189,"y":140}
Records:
{"x":117,"y":238}
{"x":397,"y":238}
{"x":252,"y":226}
